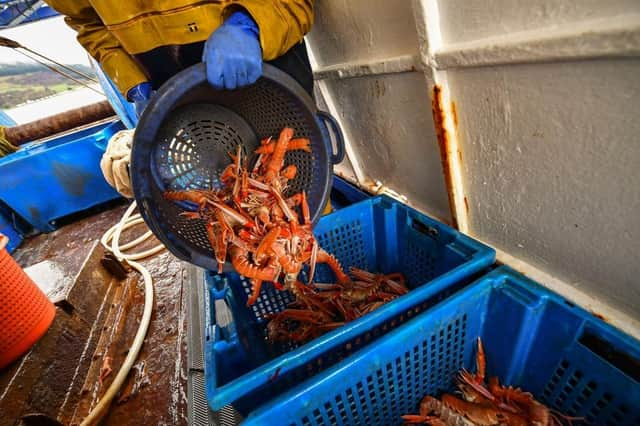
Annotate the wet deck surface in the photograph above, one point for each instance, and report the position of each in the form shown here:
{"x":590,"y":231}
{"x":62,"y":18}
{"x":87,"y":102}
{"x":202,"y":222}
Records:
{"x":156,"y":390}
{"x":66,"y":249}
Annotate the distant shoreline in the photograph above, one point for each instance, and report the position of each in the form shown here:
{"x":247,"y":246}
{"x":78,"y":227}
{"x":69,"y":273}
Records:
{"x":55,"y":104}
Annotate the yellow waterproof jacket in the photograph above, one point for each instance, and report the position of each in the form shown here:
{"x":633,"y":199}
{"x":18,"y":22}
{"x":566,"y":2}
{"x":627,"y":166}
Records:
{"x":114,"y":32}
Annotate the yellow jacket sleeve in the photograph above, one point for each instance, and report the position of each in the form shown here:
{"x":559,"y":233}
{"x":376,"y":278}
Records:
{"x":282,"y":23}
{"x":100,"y":43}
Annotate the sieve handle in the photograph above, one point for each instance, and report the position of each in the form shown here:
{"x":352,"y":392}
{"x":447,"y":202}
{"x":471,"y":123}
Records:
{"x":329,"y":122}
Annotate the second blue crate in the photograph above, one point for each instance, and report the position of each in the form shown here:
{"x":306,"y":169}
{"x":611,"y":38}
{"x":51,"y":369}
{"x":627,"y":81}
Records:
{"x":534,"y":339}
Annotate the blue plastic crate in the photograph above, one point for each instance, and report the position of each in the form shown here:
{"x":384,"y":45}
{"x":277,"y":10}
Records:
{"x":7,"y":228}
{"x":378,"y":234}
{"x":533,"y":338}
{"x":46,"y":181}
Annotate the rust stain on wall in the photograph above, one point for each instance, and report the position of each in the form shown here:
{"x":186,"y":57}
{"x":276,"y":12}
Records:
{"x":454,"y":114}
{"x":599,"y":316}
{"x":439,"y":117}
{"x":379,"y":89}
{"x":466,"y":204}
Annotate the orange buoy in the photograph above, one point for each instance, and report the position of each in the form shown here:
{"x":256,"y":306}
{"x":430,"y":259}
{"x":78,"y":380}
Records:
{"x":25,"y":311}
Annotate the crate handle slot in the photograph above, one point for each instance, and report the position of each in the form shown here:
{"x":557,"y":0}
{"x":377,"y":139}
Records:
{"x":427,"y":230}
{"x":605,"y":350}
{"x":224,"y":326}
{"x":223,"y":313}
{"x":521,"y":294}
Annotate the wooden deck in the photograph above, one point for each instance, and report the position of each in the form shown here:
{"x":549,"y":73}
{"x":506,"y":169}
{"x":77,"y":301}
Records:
{"x":58,"y":381}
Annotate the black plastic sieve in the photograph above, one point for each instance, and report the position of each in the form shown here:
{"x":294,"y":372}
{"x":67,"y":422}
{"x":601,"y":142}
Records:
{"x":184,"y":136}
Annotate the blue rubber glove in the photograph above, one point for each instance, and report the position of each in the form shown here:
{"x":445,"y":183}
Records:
{"x":232,"y":53}
{"x":140,"y":96}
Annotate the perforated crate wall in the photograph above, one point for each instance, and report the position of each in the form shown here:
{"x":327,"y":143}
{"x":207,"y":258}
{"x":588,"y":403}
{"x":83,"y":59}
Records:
{"x":426,"y":368}
{"x":578,"y":389}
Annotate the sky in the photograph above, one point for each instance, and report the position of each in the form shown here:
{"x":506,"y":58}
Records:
{"x":50,"y":37}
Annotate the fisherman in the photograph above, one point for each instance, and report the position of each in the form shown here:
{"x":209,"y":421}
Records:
{"x":140,"y":45}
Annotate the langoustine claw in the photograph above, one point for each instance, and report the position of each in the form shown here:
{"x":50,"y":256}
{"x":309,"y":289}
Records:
{"x":334,"y":264}
{"x":244,"y":266}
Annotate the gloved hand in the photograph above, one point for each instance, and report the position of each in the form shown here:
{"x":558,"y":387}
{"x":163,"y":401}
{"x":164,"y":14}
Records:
{"x":115,"y":162}
{"x":140,"y":96}
{"x":232,"y":53}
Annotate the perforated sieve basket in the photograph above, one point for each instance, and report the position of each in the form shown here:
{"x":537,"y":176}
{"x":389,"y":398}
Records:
{"x":184,"y":136}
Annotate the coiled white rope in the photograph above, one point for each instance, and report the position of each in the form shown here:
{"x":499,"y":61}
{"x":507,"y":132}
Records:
{"x":111,"y":241}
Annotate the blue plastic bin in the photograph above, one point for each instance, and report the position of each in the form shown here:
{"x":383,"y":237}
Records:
{"x":378,"y":234}
{"x":45,"y":181}
{"x":533,"y":338}
{"x":7,"y":228}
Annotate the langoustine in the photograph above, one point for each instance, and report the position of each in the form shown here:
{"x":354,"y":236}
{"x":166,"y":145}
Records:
{"x":485,"y":404}
{"x":250,"y":223}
